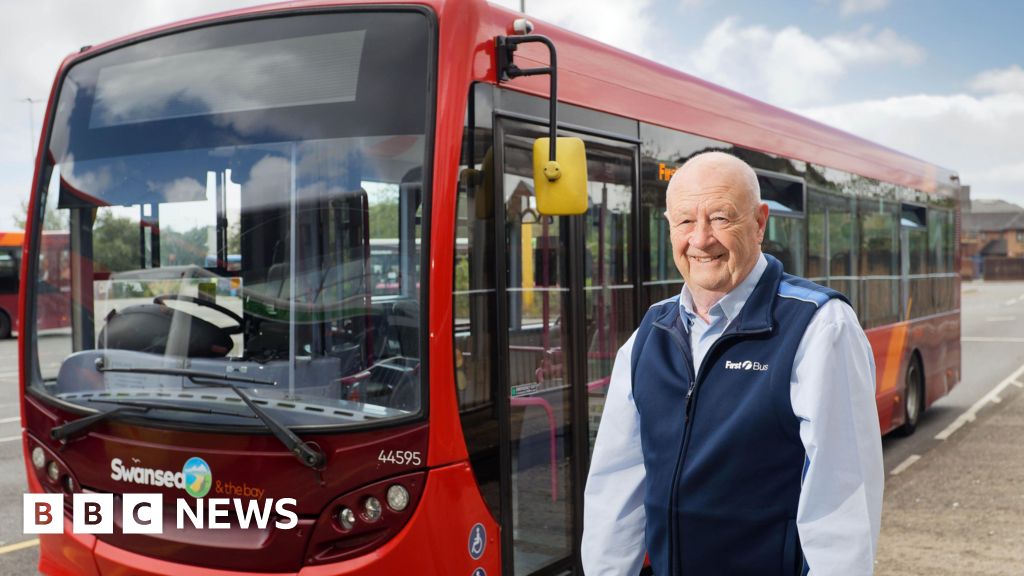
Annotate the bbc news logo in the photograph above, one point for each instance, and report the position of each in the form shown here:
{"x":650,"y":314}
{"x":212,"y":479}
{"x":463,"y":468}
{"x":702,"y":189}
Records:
{"x":144,"y":513}
{"x":746,"y":365}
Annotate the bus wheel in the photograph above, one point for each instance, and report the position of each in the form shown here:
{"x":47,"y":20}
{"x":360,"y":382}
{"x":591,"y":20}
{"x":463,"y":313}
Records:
{"x":5,"y":325}
{"x":913,"y":404}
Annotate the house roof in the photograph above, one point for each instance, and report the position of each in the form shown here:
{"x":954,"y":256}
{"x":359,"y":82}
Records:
{"x":993,"y":216}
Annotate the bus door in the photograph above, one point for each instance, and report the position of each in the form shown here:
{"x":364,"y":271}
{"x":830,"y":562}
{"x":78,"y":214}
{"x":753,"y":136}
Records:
{"x":566,"y":304}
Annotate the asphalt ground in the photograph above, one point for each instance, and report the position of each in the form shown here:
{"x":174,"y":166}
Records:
{"x":954,"y":496}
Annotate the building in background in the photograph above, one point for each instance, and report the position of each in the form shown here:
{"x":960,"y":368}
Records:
{"x":992,"y":239}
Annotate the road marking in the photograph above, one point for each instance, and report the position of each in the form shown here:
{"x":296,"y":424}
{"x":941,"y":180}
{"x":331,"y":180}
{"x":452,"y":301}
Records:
{"x":19,"y":546}
{"x":1000,"y":318}
{"x":10,"y":438}
{"x":905,"y":464}
{"x":971,"y":413}
{"x":8,"y":373}
{"x":1008,"y":340}
{"x":8,"y":420}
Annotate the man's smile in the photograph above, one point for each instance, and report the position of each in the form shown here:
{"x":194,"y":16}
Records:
{"x":705,"y":259}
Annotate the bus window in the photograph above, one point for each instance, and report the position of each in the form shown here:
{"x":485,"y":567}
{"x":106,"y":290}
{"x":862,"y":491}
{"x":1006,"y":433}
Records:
{"x":878,"y":268}
{"x":784,"y":237}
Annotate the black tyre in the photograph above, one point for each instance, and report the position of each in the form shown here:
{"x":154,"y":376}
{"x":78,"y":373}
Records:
{"x":913,"y":404}
{"x":5,"y":326}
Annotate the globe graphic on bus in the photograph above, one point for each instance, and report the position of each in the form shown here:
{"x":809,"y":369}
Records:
{"x":198,"y":478}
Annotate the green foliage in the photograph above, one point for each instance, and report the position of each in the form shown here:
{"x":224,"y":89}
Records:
{"x":384,"y":219}
{"x":115,"y":243}
{"x":183,"y":248}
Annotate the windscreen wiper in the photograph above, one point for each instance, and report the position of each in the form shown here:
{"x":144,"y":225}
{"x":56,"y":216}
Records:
{"x":172,"y":407}
{"x":76,"y":427}
{"x":307,"y":453}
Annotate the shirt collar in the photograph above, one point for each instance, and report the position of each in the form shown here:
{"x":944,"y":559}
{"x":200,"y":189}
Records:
{"x":730,"y":304}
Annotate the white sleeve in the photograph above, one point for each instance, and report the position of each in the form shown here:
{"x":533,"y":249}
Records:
{"x":833,"y":394}
{"x":613,"y":510}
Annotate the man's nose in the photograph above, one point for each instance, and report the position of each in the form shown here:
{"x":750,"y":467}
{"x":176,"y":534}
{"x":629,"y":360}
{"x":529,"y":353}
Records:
{"x":702,"y":236}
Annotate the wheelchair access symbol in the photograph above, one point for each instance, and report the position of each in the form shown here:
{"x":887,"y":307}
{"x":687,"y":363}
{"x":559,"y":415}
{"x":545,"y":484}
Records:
{"x":477,"y":541}
{"x":479,"y":572}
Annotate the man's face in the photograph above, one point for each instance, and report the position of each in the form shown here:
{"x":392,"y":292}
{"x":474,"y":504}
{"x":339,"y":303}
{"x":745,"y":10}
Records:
{"x":716,"y":226}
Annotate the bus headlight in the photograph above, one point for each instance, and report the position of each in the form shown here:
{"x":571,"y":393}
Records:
{"x":53,"y":471}
{"x":371,"y":509}
{"x":347,"y":518}
{"x":398,"y":497}
{"x":38,"y":458}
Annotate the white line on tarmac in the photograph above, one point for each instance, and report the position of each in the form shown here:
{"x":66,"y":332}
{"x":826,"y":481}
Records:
{"x":972,"y":412}
{"x":10,"y":438}
{"x":905,"y":464}
{"x":1000,"y":318}
{"x":992,"y":339}
{"x":9,"y":420}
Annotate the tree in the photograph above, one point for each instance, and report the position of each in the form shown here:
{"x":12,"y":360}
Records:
{"x":53,"y":219}
{"x":384,"y":219}
{"x":115,"y":243}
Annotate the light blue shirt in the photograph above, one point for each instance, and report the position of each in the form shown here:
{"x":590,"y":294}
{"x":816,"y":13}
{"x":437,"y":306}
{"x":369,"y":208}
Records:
{"x":832,"y":392}
{"x":704,"y":334}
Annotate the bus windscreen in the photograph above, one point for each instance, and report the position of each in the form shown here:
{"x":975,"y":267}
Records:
{"x":228,"y":192}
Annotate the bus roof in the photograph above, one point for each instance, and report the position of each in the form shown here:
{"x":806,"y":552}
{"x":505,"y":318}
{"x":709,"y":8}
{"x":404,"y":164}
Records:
{"x":11,"y":238}
{"x":597,"y":76}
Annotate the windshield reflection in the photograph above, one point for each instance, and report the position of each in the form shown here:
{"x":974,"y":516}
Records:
{"x":267,"y":225}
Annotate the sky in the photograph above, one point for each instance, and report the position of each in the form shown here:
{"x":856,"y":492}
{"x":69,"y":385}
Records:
{"x":942,"y":80}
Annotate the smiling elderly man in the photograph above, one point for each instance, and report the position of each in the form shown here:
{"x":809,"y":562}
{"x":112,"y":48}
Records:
{"x":740,"y":434}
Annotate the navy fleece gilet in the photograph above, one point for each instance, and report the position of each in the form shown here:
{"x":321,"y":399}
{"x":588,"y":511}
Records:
{"x":722,"y":448}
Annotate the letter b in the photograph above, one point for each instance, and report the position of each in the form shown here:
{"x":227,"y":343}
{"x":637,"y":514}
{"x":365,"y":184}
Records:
{"x":92,"y":513}
{"x":43,"y":514}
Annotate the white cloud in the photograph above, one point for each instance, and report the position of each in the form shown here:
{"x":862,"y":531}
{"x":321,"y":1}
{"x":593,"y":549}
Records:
{"x":865,"y":46}
{"x":851,"y":7}
{"x":789,"y":67}
{"x":999,"y":81}
{"x":976,"y":135}
{"x":627,"y":25}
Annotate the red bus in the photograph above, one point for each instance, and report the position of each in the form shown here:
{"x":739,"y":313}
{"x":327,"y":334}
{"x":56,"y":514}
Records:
{"x":10,"y":270}
{"x":52,"y":294}
{"x":225,"y":181}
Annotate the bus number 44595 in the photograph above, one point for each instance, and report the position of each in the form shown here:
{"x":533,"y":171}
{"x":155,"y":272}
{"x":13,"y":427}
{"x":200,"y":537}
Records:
{"x":400,"y":457}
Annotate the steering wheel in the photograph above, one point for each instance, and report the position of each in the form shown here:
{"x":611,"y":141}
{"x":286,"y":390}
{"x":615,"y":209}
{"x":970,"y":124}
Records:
{"x":237,"y":329}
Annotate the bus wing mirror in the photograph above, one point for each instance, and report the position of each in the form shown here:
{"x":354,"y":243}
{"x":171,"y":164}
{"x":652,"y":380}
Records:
{"x":560,"y":185}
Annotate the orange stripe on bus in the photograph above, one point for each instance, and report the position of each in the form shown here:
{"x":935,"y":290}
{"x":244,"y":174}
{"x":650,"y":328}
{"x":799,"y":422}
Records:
{"x":894,"y":353}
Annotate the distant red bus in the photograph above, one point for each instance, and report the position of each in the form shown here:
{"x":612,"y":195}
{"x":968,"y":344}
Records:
{"x":54,"y":253}
{"x":306,"y":262}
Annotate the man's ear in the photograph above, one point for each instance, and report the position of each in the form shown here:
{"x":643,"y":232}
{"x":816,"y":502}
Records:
{"x":762,"y":221}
